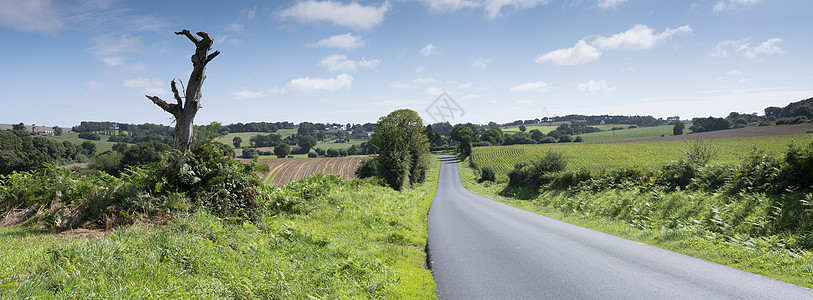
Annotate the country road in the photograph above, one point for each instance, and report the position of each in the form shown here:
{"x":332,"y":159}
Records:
{"x":482,"y":249}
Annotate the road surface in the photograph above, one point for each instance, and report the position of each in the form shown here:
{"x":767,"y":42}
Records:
{"x":482,"y":249}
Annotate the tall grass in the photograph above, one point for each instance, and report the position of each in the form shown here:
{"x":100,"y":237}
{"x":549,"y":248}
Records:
{"x":338,"y":240}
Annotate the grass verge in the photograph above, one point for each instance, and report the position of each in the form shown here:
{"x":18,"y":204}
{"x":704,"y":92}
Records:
{"x":752,"y":255}
{"x":357,"y":241}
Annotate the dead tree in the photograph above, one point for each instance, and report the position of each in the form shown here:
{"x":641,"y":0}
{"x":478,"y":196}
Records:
{"x":186,"y":108}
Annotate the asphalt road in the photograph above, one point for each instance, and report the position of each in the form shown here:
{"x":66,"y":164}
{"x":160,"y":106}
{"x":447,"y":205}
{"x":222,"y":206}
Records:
{"x":482,"y":249}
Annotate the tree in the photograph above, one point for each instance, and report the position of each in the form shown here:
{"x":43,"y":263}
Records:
{"x":403,"y":149}
{"x":20,"y":126}
{"x":237,"y":141}
{"x":492,"y":135}
{"x":186,"y":108}
{"x":464,"y":134}
{"x":57,"y":131}
{"x":120,"y":147}
{"x":306,"y":142}
{"x":282,"y":150}
{"x":678,"y":129}
{"x":522,"y":128}
{"x":89,"y":148}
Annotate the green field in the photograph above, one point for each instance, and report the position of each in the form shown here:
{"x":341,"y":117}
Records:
{"x":346,"y":240}
{"x":333,"y":145}
{"x":543,"y":129}
{"x":73,"y":137}
{"x":642,"y":155}
{"x":626,"y":134}
{"x":227,"y":139}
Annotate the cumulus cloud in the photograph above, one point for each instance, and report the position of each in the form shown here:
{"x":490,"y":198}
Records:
{"x":429,"y":50}
{"x":351,"y":15}
{"x":581,"y":53}
{"x":639,"y":37}
{"x":743,"y":47}
{"x":346,"y":41}
{"x":607,"y":4}
{"x":733,"y":4}
{"x":538,"y":86}
{"x":246,"y":94}
{"x":494,"y":7}
{"x":148,"y":86}
{"x":337,"y":62}
{"x":30,"y":15}
{"x":593,"y":86}
{"x":312,"y":85}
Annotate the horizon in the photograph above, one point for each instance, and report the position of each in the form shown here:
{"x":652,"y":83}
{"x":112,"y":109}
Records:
{"x":355,"y":61}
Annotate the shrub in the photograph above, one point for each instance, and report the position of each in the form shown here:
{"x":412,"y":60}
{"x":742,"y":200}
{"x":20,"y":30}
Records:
{"x":538,"y":172}
{"x":313,"y":155}
{"x":367,"y":168}
{"x":487,"y":173}
{"x":89,"y":136}
{"x":677,"y":174}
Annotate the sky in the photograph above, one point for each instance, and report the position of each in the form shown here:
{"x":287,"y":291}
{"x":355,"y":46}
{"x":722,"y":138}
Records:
{"x":63,"y":62}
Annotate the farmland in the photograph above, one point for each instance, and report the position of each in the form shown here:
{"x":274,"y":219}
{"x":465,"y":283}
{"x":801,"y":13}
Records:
{"x":284,"y":170}
{"x":641,"y":155}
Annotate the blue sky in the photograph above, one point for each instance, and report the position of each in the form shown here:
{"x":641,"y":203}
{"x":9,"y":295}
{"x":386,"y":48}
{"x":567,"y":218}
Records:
{"x":342,"y":61}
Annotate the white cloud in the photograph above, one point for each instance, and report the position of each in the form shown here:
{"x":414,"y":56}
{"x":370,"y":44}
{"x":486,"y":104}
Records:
{"x":433,"y":91}
{"x":352,"y":15}
{"x":310,"y":85}
{"x":346,"y":41}
{"x":734,"y":73}
{"x":627,"y":69}
{"x":639,"y":37}
{"x":480,"y":62}
{"x":429,"y":50}
{"x":424,"y":80}
{"x":538,"y":86}
{"x":420,"y":69}
{"x":108,"y":45}
{"x":236,"y":28}
{"x":606,"y":4}
{"x":112,"y":61}
{"x":399,"y":85}
{"x":147,"y":86}
{"x":437,"y":6}
{"x":95,"y":85}
{"x":251,"y":12}
{"x":743,"y":47}
{"x":30,"y":15}
{"x":581,"y":53}
{"x":246,"y":94}
{"x":494,"y":7}
{"x":733,"y":4}
{"x":337,"y":62}
{"x":593,"y":86}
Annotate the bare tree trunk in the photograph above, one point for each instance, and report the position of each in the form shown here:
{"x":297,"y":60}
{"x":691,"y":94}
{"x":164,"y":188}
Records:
{"x":187,"y":107}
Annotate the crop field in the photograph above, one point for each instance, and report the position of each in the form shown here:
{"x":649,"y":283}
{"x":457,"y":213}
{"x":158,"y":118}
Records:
{"x":642,"y":155}
{"x":284,"y":170}
{"x":227,"y":139}
{"x":627,"y":133}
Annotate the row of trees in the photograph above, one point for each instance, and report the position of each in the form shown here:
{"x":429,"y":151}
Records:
{"x":20,"y":151}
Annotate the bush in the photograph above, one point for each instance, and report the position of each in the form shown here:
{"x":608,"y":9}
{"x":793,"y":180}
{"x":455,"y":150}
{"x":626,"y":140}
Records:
{"x":677,"y":174}
{"x":481,"y":144}
{"x":798,"y":171}
{"x":547,"y":140}
{"x":487,"y":173}
{"x":89,"y":136}
{"x":367,"y":168}
{"x":578,"y":139}
{"x":538,"y":172}
{"x":313,"y":155}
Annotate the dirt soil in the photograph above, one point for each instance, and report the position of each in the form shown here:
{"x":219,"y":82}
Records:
{"x":727,"y":134}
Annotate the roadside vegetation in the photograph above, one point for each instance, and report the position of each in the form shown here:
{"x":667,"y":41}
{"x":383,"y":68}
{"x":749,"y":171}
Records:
{"x":751,"y":213}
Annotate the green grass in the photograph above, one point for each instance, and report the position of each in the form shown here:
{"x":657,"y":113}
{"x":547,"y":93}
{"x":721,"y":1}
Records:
{"x":333,"y":145}
{"x":646,"y":217}
{"x":73,"y":137}
{"x":641,"y":155}
{"x":626,"y":134}
{"x":543,"y":129}
{"x":359,"y":241}
{"x":246,"y":136}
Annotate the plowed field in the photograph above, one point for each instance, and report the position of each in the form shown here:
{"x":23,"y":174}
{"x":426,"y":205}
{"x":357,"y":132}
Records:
{"x":284,"y":170}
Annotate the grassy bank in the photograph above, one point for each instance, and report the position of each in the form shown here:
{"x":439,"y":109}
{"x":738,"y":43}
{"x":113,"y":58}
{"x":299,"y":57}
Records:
{"x":344,"y":239}
{"x":700,"y":226}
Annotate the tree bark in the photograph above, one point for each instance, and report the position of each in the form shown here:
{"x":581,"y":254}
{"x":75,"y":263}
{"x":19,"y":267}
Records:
{"x":187,"y":106}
